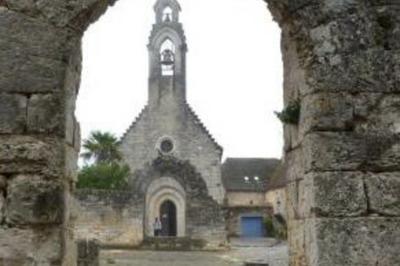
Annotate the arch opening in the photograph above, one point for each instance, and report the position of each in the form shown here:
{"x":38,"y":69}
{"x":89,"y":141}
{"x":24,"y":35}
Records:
{"x":167,"y":14}
{"x":167,"y":57}
{"x":166,"y":196}
{"x":168,"y":219}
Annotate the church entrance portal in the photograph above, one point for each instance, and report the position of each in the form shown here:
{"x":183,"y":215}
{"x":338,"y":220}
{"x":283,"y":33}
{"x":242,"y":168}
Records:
{"x":168,"y":218}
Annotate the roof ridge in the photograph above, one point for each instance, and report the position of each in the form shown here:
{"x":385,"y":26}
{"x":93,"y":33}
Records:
{"x":135,"y":121}
{"x":202,"y":126}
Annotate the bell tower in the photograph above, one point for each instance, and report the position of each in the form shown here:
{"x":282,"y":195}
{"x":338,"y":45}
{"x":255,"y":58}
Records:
{"x":167,"y":56}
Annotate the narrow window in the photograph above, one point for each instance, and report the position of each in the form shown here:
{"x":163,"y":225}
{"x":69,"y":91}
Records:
{"x":167,"y":54}
{"x":167,"y":14}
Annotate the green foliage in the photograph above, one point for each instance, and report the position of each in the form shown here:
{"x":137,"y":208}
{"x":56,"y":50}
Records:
{"x":103,"y":176}
{"x":269,"y":227}
{"x":106,"y":172}
{"x":276,"y":227}
{"x":280,"y":227}
{"x":102,"y":147}
{"x":291,"y":114}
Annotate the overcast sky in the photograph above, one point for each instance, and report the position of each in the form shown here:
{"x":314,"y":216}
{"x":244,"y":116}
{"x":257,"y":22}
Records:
{"x":234,"y":71}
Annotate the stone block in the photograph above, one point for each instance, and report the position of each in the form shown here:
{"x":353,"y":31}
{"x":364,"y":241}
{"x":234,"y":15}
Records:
{"x":70,"y":128}
{"x":377,"y":112}
{"x":12,"y":113}
{"x":71,"y":163}
{"x":294,"y":165}
{"x":373,"y":70}
{"x":46,"y":114}
{"x":336,"y":194}
{"x":367,"y":241}
{"x":292,"y":137}
{"x":35,"y":58}
{"x":33,"y":200}
{"x":24,"y":154}
{"x":88,"y":253}
{"x":2,"y":206}
{"x":382,"y":151}
{"x":30,"y":74}
{"x":296,"y":241}
{"x":31,"y":247}
{"x":384,"y":193}
{"x":63,"y":13}
{"x":35,"y":37}
{"x":3,"y":182}
{"x":326,"y":112}
{"x":77,"y":136}
{"x":297,"y":199}
{"x":333,"y":151}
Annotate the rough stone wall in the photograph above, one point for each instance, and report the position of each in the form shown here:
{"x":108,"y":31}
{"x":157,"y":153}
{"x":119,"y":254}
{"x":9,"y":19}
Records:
{"x":278,"y":200}
{"x":39,"y":136}
{"x":341,"y":60}
{"x":112,"y":218}
{"x":140,"y":145}
{"x":249,"y":199}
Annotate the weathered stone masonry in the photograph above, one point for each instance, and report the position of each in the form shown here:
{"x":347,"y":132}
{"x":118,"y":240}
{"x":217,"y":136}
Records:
{"x":341,"y":60}
{"x":40,"y":62}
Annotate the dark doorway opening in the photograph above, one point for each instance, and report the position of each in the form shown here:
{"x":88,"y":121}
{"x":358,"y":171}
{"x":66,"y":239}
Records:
{"x":168,"y":218}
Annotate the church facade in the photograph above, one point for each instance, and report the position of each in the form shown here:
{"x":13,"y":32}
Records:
{"x":168,"y":133}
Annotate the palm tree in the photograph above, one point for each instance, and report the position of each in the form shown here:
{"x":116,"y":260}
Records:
{"x":102,"y":147}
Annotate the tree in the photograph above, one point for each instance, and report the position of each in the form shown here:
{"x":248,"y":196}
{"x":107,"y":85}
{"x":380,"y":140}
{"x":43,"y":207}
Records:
{"x":101,"y":147}
{"x":106,"y":170}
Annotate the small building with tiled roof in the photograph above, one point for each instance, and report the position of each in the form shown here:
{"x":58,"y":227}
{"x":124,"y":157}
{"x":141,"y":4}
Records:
{"x":253,"y":186}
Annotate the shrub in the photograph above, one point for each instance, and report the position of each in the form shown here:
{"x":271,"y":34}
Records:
{"x":103,"y":176}
{"x":290,"y":114}
{"x":269,"y":227}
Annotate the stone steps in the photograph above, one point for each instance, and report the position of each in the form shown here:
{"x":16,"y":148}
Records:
{"x":172,"y":244}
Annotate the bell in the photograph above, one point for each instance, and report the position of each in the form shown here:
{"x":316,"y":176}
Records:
{"x":167,"y":18}
{"x":167,"y":57}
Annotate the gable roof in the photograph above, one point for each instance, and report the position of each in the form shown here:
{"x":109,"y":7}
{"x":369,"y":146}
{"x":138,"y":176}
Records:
{"x":203,"y":128}
{"x":235,"y":171}
{"x":134,"y":123}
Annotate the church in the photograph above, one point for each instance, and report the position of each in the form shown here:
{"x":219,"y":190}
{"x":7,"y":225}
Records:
{"x":168,"y":135}
{"x":176,"y":175}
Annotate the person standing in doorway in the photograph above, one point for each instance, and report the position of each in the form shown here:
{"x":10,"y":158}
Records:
{"x":157,"y":227}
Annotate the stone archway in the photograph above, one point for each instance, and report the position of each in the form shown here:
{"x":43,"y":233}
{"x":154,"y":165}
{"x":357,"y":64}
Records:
{"x":160,"y":191}
{"x":342,"y":65}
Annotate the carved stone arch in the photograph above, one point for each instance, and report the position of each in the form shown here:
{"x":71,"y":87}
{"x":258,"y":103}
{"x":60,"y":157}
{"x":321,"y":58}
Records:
{"x":159,"y":191}
{"x":160,"y":6}
{"x":166,"y":33}
{"x":182,"y":171}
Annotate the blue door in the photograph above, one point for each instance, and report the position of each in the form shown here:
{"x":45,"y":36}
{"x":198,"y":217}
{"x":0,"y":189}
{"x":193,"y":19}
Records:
{"x":252,"y":227}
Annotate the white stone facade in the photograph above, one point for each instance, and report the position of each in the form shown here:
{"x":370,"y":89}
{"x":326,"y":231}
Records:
{"x":168,"y":117}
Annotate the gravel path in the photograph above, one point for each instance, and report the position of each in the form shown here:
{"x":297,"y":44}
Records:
{"x":265,"y":251}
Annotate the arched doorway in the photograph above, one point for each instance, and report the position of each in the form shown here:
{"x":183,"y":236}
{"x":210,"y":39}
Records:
{"x":166,"y":195}
{"x":168,"y":218}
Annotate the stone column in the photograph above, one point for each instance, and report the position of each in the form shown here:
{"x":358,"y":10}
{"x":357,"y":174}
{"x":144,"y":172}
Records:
{"x":342,"y":62}
{"x":40,"y":65}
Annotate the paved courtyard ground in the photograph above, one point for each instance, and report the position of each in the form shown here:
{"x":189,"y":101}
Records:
{"x":256,"y":250}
